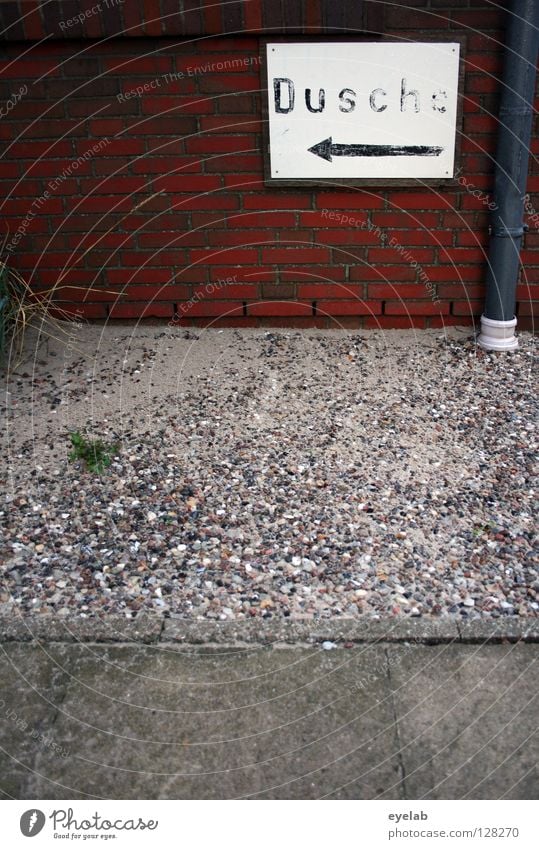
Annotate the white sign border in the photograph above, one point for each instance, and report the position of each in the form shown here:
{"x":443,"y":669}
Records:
{"x":359,"y":182}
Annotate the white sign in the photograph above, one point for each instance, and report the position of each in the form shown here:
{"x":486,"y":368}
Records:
{"x":362,"y":110}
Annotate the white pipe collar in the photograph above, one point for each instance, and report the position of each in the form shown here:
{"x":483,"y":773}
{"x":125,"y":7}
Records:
{"x":497,"y":335}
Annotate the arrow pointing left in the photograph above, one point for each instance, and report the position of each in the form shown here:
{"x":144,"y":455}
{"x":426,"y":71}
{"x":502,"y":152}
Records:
{"x":326,"y":149}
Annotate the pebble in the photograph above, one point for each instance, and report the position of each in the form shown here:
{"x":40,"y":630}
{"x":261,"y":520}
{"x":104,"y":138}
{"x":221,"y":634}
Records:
{"x":281,"y":477}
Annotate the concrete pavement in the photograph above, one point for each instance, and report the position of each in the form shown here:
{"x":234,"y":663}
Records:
{"x":343,"y":710}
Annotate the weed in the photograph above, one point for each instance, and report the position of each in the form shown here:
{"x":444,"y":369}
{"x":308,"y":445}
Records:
{"x":94,"y":453}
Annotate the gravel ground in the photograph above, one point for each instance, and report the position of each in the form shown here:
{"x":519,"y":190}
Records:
{"x":271,"y":473}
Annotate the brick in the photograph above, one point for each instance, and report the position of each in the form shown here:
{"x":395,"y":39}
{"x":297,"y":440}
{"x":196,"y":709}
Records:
{"x":330,"y":291}
{"x":21,"y":207}
{"x":386,"y":255}
{"x":116,"y":147}
{"x":529,"y":257}
{"x":350,"y":237}
{"x":25,"y":188}
{"x":262,"y":219}
{"x":228,"y":44}
{"x":342,"y":200}
{"x":195,"y":275}
{"x":178,"y":183}
{"x":242,"y":238}
{"x":471,"y":273}
{"x":29,"y":69}
{"x":460,"y":290}
{"x":99,"y":259}
{"x":82,"y":310}
{"x":457,"y":220}
{"x":406,"y":219}
{"x":208,"y":201}
{"x":211,"y":308}
{"x":251,"y":163}
{"x":77,"y":295}
{"x":37,"y":109}
{"x":227,"y":83}
{"x":69,"y":277}
{"x":189,"y":239}
{"x":402,"y":17}
{"x":399,"y":290}
{"x":234,"y":256}
{"x":291,"y":238}
{"x":233,"y":103}
{"x":484,"y":42}
{"x":214,"y":143}
{"x":533,"y":184}
{"x":139,"y":309}
{"x":480,"y":83}
{"x":164,"y":105}
{"x":278,"y":290}
{"x":106,"y":126}
{"x":128,"y":276}
{"x":422,"y":200}
{"x":228,"y":124}
{"x":527,"y":308}
{"x":225,"y":273}
{"x":43,"y":129}
{"x":295,"y":255}
{"x":105,"y":203}
{"x":194,"y":65}
{"x":209,"y":219}
{"x":52,"y":259}
{"x":325,"y":219}
{"x":468,"y":308}
{"x":481,"y":19}
{"x":161,"y":164}
{"x":478,"y":144}
{"x":526,"y":292}
{"x":138,"y":65}
{"x":173,"y":125}
{"x":383,"y":272}
{"x":415,"y":308}
{"x":246,"y":182}
{"x":100,"y":240}
{"x":421,"y":236}
{"x":279,"y":308}
{"x":235,"y":291}
{"x":458,"y":256}
{"x":114,"y":185}
{"x":172,"y":256}
{"x":35,"y":150}
{"x":276,"y":201}
{"x":480,"y":124}
{"x":353,"y":307}
{"x":166,"y":292}
{"x":11,"y":169}
{"x":471,"y":103}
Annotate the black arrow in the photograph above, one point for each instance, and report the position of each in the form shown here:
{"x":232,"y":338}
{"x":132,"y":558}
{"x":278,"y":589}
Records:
{"x":326,"y":149}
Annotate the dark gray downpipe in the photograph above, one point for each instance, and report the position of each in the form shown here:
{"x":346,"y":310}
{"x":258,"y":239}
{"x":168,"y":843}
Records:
{"x":512,"y":153}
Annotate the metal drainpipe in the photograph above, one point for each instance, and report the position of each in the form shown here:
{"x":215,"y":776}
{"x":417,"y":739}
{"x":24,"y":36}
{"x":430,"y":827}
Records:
{"x":498,"y":321}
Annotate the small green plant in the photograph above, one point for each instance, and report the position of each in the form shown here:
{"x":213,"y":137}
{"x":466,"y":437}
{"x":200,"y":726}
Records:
{"x":94,"y":453}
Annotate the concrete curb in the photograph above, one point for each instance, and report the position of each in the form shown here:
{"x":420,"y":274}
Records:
{"x":145,"y":628}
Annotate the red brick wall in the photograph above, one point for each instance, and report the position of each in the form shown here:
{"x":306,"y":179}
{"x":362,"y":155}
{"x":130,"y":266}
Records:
{"x":154,"y":204}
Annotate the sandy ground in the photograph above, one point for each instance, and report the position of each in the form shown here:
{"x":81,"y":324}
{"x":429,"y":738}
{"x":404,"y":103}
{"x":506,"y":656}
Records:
{"x":271,"y":472}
